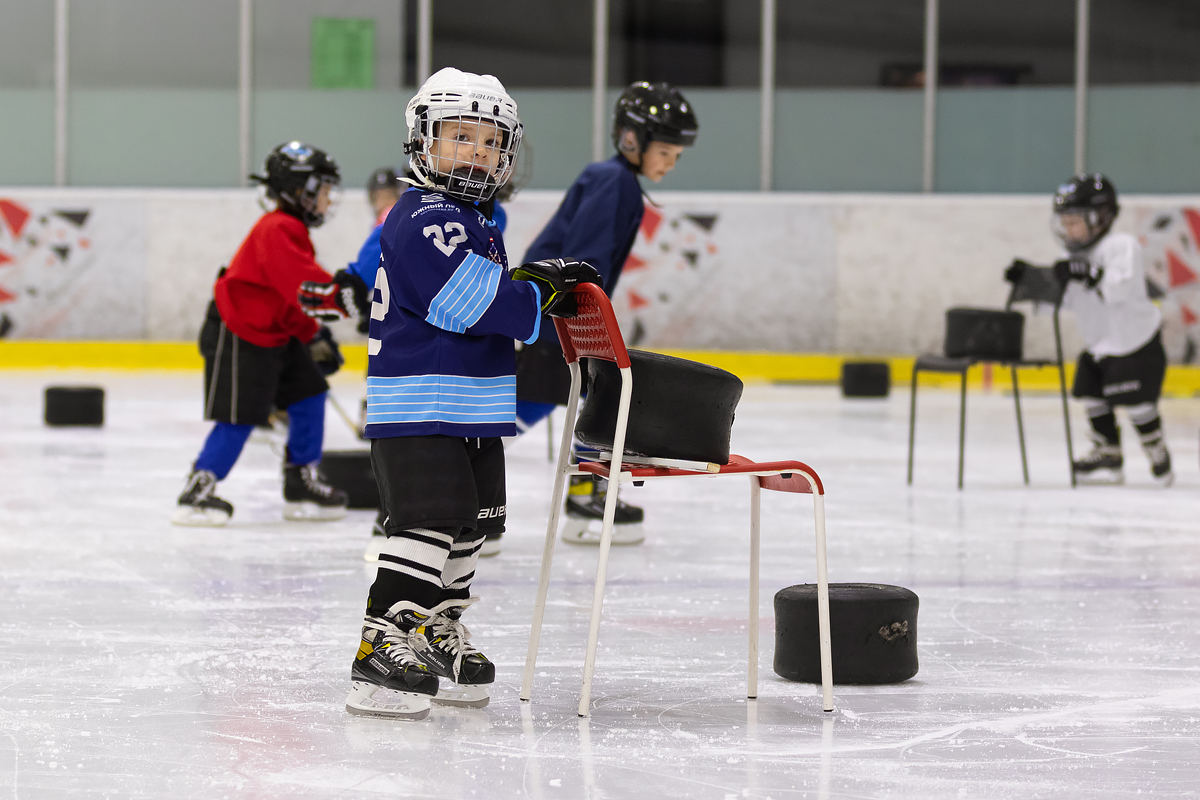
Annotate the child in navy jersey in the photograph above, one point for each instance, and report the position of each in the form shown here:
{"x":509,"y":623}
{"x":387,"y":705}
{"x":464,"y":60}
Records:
{"x":441,"y":392}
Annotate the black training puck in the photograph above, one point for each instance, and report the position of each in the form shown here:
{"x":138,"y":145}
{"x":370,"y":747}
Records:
{"x":873,"y":630}
{"x":74,"y":405}
{"x":350,"y":471}
{"x":679,"y":409}
{"x":866,"y":379}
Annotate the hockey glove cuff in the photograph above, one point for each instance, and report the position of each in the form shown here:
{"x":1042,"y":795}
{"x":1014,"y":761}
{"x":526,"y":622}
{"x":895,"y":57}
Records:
{"x":1077,"y":269}
{"x":556,"y":277}
{"x":1016,"y":271}
{"x":346,"y":296}
{"x":325,"y":353}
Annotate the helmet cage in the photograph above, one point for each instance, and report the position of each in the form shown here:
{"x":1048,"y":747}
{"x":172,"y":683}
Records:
{"x":474,"y":180}
{"x":300,"y":199}
{"x":1097,"y":220}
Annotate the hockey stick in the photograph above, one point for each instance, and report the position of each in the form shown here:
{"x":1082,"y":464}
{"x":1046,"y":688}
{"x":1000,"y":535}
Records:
{"x":341,"y":412}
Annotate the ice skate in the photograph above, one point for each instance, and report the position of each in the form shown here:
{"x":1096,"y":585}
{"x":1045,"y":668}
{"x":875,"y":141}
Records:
{"x":444,"y":645}
{"x":1160,"y":463}
{"x":1103,"y":465}
{"x":378,"y":537}
{"x":198,"y":505}
{"x":387,"y":679}
{"x":308,"y":497}
{"x":585,"y":515}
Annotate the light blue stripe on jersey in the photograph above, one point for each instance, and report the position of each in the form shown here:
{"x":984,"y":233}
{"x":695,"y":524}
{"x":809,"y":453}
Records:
{"x":467,"y":295}
{"x":441,"y":398}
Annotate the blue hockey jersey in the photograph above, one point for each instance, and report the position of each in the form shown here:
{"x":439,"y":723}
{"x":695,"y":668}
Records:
{"x":596,"y":222}
{"x":444,"y":315}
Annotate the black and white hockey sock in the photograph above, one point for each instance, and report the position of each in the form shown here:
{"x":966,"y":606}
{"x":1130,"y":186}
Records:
{"x":1103,"y":420}
{"x":411,"y":563}
{"x":460,"y":565}
{"x":1145,"y":418}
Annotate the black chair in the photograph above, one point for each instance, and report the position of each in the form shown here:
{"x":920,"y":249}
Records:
{"x":978,"y":335}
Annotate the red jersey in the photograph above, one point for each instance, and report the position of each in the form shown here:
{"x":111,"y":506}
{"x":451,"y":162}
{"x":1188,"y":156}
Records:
{"x":257,"y":294}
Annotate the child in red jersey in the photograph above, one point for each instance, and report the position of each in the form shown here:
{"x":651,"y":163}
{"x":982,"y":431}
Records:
{"x":262,"y":351}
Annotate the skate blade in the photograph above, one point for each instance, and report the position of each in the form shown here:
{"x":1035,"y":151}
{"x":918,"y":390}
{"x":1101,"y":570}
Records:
{"x":1165,"y":481}
{"x":1100,"y":477}
{"x":190,"y":517}
{"x":308,"y":511}
{"x":362,"y":702}
{"x":491,"y":547}
{"x":460,"y":696}
{"x":579,"y":531}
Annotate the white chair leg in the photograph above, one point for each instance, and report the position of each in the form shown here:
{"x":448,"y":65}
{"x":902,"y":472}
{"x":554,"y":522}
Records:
{"x":755,"y":528}
{"x":556,"y":502}
{"x":589,"y":661}
{"x":823,"y":603}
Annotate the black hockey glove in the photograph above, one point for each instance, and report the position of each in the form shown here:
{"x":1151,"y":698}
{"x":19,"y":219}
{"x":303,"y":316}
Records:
{"x":1077,"y":269}
{"x":343,"y":298}
{"x":1016,"y":271}
{"x":556,"y":277}
{"x":325,"y":353}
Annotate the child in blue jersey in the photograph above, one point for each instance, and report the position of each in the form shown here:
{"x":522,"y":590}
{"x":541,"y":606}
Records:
{"x":441,"y":391}
{"x":597,"y":223}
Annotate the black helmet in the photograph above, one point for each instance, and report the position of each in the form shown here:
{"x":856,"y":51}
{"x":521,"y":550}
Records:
{"x":295,"y":174}
{"x":383,"y":178}
{"x":1095,"y":199}
{"x":655,"y":112}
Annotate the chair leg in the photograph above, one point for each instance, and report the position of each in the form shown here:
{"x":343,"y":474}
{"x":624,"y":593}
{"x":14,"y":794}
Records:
{"x":1020,"y":424}
{"x":550,"y":437}
{"x":823,"y":602}
{"x":912,"y":422}
{"x":755,"y":528}
{"x":962,"y":427}
{"x":589,"y":661}
{"x":556,"y":502}
{"x":1062,"y":388}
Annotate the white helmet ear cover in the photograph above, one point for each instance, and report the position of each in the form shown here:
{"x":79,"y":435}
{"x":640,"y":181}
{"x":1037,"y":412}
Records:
{"x":454,"y":94}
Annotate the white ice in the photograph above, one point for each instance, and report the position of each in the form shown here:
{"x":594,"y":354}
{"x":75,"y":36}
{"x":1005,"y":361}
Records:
{"x":1059,"y":630}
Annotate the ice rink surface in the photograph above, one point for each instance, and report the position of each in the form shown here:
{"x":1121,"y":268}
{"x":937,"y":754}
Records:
{"x":1059,"y":630}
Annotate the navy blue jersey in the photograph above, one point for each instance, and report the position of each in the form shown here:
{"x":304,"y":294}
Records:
{"x":443,"y":319}
{"x":596,"y":222}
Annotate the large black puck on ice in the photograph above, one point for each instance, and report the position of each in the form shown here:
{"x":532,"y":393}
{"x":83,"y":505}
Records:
{"x":985,"y":333}
{"x":873,"y":630}
{"x":866,"y":379}
{"x":350,"y":471}
{"x":679,"y":409}
{"x":74,"y":405}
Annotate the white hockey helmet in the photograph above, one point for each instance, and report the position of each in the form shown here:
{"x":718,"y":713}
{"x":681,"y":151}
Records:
{"x":451,"y":94}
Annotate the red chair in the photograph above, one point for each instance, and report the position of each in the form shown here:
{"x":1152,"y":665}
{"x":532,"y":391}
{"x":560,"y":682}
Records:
{"x":593,"y":333}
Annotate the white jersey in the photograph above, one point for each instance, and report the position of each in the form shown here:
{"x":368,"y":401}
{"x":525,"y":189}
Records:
{"x":1115,"y":317}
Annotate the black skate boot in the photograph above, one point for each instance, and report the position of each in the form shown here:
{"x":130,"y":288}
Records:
{"x":308,"y":497}
{"x":443,"y":644}
{"x":1103,"y":465}
{"x":386,"y":660}
{"x":585,"y":504}
{"x":199,"y":506}
{"x":1160,"y":462}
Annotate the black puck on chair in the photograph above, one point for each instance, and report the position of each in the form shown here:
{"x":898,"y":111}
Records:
{"x":350,"y":471}
{"x":679,"y":409}
{"x":873,"y":630}
{"x":74,"y":405}
{"x":866,"y":379}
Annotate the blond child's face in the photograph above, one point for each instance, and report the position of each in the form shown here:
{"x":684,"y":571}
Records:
{"x":465,"y":146}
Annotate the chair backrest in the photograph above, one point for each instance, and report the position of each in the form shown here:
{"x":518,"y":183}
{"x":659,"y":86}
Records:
{"x":593,"y":331}
{"x":984,"y":334}
{"x":1037,"y":284}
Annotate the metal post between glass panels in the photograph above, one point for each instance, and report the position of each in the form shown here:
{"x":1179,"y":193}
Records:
{"x":931,"y":85}
{"x":599,"y":75}
{"x":424,"y":40}
{"x":61,"y":65}
{"x":245,"y":89}
{"x":1082,"y":9}
{"x":767,"y":86}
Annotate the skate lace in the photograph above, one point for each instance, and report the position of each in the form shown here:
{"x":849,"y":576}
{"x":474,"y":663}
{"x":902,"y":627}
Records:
{"x":394,"y":643}
{"x":454,"y":638}
{"x":312,"y":479}
{"x":201,"y":487}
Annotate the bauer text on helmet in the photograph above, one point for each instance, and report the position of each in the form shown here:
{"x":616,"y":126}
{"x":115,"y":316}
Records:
{"x":463,"y":134}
